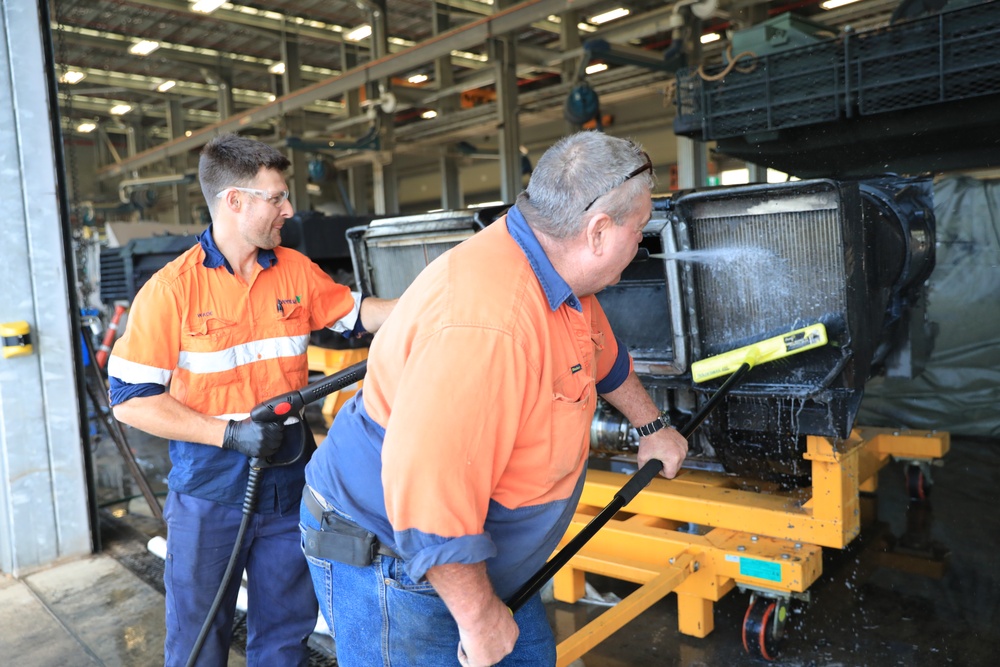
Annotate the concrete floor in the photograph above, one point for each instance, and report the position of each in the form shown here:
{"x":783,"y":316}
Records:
{"x":920,"y":586}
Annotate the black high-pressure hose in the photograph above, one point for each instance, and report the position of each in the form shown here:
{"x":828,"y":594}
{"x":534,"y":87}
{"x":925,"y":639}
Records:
{"x":275,"y":409}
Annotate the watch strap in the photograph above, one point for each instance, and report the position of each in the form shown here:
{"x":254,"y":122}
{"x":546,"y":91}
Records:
{"x":652,"y":427}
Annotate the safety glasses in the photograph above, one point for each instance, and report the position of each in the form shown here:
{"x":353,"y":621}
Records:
{"x":276,"y":199}
{"x":647,"y":166}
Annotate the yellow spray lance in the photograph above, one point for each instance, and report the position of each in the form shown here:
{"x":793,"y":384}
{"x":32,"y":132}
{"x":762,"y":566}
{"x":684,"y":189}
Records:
{"x":735,"y":363}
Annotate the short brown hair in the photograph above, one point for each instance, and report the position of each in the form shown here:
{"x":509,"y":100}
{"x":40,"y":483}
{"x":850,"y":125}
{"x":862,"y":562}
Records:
{"x":230,"y":159}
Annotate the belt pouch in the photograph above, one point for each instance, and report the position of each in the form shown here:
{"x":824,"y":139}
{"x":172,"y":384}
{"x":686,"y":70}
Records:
{"x":342,"y":541}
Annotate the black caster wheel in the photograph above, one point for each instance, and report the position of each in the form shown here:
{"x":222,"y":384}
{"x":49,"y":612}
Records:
{"x":763,"y":626}
{"x":918,"y":482}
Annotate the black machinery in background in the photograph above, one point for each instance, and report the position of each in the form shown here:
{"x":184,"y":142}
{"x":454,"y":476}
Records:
{"x":726,"y":268}
{"x":320,"y":237}
{"x":920,"y":94}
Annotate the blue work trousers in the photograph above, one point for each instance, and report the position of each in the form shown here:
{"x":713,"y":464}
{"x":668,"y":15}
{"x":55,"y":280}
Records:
{"x":281,"y":605}
{"x":381,"y":617}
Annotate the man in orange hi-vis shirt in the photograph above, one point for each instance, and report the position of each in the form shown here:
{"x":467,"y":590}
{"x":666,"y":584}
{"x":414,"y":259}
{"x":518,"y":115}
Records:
{"x":449,"y":480}
{"x":225,"y":326}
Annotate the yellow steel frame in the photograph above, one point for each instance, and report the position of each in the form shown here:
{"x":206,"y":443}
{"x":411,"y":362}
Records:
{"x":770,"y":540}
{"x":328,"y":361}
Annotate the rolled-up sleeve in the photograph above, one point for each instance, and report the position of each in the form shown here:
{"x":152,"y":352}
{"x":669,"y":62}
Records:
{"x":142,"y":360}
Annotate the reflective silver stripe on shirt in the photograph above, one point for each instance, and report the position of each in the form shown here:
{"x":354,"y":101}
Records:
{"x":136,"y":373}
{"x":241,"y":355}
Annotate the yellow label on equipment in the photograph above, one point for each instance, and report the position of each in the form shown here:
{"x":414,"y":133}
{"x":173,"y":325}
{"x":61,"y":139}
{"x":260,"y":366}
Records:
{"x":770,"y":349}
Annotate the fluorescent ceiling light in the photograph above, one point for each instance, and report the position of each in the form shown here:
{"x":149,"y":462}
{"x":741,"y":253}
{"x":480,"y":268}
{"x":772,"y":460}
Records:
{"x":609,"y":16}
{"x":710,"y":37}
{"x":586,"y":27}
{"x":417,"y":78}
{"x":595,"y":68}
{"x":72,"y":76}
{"x":271,"y":97}
{"x":277,"y":68}
{"x":833,"y":4}
{"x":486,"y":203}
{"x":86,"y":126}
{"x":206,"y":6}
{"x":430,"y":113}
{"x":120,"y":109}
{"x":166,"y":85}
{"x":359,"y":33}
{"x":478,"y":57}
{"x":143,"y":47}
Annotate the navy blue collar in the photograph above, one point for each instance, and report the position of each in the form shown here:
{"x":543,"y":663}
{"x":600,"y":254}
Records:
{"x":557,"y":290}
{"x":214,"y":257}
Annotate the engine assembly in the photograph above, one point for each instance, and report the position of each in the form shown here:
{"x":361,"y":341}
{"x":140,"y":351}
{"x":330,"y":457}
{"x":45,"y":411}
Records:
{"x":727,"y":267}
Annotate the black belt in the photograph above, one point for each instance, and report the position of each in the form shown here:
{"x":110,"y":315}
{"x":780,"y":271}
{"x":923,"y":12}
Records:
{"x":324,"y":515}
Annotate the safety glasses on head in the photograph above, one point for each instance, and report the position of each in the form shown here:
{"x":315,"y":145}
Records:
{"x":274,"y":198}
{"x":646,"y":166}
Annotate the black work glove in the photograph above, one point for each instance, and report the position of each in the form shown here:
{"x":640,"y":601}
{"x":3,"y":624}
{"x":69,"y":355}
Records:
{"x":253,"y":439}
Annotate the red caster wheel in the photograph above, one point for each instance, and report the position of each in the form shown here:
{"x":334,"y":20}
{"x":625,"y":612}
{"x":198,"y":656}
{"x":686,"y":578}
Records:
{"x":918,"y":481}
{"x":763,"y":626}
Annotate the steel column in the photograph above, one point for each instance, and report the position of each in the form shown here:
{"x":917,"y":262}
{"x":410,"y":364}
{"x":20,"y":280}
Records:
{"x":43,"y":488}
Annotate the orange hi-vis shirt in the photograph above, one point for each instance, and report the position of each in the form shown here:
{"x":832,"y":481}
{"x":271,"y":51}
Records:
{"x":473,"y":435}
{"x":222,"y":346}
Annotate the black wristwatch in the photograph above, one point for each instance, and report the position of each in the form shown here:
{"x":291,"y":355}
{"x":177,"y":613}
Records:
{"x":653,"y":426}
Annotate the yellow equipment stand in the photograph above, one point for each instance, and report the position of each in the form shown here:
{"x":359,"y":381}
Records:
{"x":328,"y":362}
{"x":767,"y":542}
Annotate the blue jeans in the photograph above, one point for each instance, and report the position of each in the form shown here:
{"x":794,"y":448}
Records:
{"x":382,"y":617}
{"x":281,"y":605}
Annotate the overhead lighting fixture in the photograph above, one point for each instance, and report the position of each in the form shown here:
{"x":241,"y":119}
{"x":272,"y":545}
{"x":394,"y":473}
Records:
{"x":86,"y":127}
{"x":595,"y":68}
{"x":277,"y":68}
{"x":430,"y":113}
{"x":206,"y":6}
{"x":143,"y":47}
{"x":609,"y":16}
{"x":72,"y":76}
{"x":271,"y":97}
{"x":417,"y":78}
{"x":586,"y":27}
{"x":710,"y":37}
{"x":833,"y":4}
{"x":120,"y":109}
{"x":166,"y":85}
{"x":359,"y":33}
{"x":187,"y":133}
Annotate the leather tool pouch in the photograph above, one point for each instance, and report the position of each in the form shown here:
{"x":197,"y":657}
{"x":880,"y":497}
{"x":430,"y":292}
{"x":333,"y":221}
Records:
{"x":342,"y":541}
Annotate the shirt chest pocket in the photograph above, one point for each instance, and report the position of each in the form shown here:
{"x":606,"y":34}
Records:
{"x":292,"y":320}
{"x":572,"y":411}
{"x":208,"y":334}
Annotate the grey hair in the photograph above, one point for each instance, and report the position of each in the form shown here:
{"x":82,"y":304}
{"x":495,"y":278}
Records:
{"x":576,"y":170}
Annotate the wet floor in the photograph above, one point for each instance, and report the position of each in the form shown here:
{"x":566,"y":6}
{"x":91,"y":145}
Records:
{"x":920,"y":586}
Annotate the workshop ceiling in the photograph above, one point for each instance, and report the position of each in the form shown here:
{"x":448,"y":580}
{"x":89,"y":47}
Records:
{"x":237,"y":44}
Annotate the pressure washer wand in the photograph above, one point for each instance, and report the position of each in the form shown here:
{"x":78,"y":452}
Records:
{"x":279,"y":408}
{"x":772,"y":348}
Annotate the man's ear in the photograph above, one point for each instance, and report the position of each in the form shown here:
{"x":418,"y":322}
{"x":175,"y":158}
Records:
{"x":597,"y":233}
{"x":231,"y":200}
